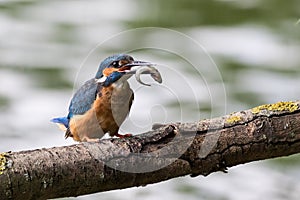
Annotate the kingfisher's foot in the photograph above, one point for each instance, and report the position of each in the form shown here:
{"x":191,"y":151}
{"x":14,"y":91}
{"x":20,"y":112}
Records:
{"x":123,"y":136}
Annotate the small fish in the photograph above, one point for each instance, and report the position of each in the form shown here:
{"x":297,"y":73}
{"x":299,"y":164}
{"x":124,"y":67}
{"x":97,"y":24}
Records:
{"x":148,"y":70}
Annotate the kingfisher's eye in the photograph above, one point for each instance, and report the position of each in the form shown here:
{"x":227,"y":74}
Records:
{"x":115,"y":64}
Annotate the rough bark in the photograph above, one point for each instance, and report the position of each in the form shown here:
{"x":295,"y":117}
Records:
{"x":166,"y":152}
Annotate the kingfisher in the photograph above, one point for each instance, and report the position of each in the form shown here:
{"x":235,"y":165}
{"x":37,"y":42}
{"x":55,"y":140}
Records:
{"x":102,"y":103}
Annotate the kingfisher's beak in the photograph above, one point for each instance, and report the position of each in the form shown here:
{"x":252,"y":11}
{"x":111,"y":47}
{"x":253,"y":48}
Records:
{"x":132,"y":67}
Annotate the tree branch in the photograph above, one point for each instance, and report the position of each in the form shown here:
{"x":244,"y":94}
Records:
{"x":166,"y":152}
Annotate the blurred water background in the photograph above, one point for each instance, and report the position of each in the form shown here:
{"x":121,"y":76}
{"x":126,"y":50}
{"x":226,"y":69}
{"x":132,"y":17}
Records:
{"x":49,"y":48}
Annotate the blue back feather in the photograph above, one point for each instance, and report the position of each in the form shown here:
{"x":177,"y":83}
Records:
{"x":86,"y":94}
{"x":83,"y":98}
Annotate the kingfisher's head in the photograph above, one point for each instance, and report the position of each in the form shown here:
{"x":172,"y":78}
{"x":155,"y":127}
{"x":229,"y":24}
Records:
{"x":117,"y":66}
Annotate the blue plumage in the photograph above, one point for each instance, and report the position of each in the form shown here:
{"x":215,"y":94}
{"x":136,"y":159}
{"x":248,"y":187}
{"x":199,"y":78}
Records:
{"x":80,"y":103}
{"x":86,"y":94}
{"x":61,"y":120}
{"x":98,"y":107}
{"x":109,"y":60}
{"x":112,"y":78}
{"x":83,"y":98}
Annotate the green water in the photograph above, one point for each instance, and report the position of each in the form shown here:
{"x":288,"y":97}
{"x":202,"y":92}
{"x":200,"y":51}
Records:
{"x":217,"y":57}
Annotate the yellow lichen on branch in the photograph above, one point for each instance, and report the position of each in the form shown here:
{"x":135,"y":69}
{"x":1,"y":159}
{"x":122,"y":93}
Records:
{"x":2,"y":162}
{"x":233,"y":119}
{"x":289,"y":106}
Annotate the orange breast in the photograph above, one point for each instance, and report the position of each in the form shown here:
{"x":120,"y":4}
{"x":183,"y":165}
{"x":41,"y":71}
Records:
{"x":106,"y":115}
{"x":112,"y":105}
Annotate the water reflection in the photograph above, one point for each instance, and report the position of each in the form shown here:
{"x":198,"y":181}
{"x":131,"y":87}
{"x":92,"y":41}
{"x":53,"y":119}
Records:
{"x":255,"y":45}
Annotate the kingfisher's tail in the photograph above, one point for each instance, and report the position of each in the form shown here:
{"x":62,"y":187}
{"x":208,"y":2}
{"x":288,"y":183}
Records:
{"x":62,"y":122}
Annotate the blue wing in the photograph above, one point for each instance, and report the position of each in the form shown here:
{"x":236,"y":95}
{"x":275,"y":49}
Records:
{"x":83,"y":98}
{"x":80,"y":103}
